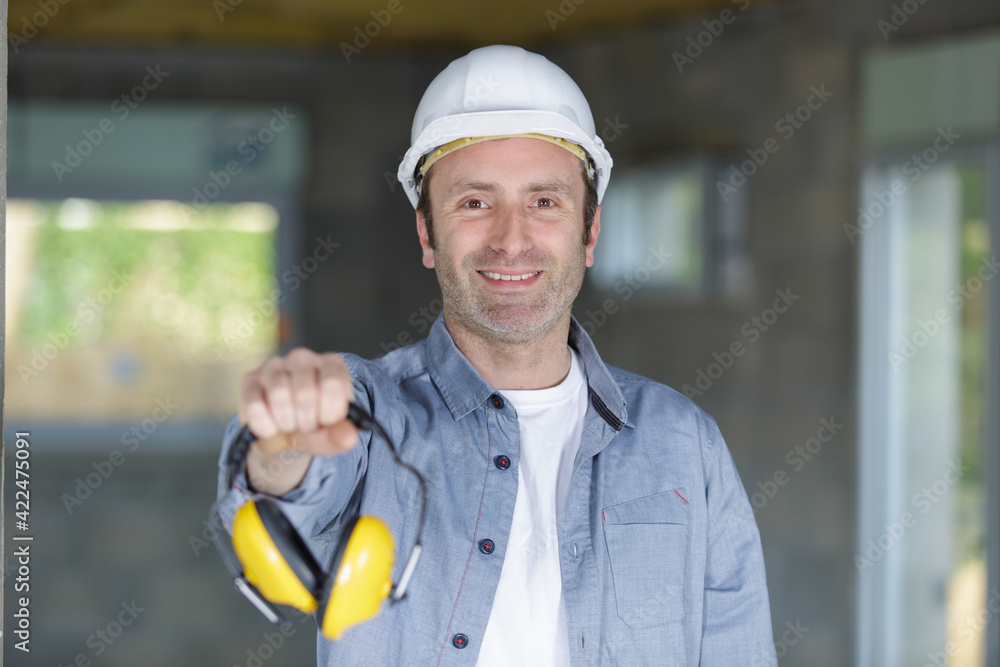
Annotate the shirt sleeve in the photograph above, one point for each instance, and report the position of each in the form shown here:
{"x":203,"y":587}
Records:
{"x":737,"y":616}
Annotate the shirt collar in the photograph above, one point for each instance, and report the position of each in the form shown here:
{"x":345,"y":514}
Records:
{"x":464,"y":389}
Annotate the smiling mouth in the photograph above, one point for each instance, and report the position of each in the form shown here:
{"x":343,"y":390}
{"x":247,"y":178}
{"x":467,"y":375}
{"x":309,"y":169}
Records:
{"x":507,"y":276}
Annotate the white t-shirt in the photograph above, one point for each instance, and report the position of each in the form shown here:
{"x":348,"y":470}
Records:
{"x":527,"y":625}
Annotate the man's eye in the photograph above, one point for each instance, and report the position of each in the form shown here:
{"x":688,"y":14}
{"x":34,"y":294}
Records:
{"x":474,"y":203}
{"x":545,"y":202}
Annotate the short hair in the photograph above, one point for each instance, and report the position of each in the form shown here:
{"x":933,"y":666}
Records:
{"x":589,"y":204}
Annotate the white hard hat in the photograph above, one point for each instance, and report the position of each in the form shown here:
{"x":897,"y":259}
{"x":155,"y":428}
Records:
{"x":502,"y":91}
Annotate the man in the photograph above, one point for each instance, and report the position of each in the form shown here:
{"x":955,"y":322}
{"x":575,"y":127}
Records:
{"x":576,"y":513}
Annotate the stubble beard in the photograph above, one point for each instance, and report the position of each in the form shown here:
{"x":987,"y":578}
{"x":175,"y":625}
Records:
{"x":507,"y":319}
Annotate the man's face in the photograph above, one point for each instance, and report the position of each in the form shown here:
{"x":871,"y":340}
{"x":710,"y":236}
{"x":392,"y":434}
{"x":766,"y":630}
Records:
{"x":508,"y":229}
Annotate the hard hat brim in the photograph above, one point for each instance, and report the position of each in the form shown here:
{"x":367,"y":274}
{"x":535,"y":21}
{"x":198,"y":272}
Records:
{"x":499,"y":123}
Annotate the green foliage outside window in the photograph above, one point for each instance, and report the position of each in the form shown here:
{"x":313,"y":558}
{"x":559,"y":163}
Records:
{"x":191,"y":277}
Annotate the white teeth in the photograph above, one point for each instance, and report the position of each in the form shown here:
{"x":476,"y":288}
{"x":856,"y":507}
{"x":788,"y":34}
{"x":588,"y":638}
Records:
{"x":505,"y":276}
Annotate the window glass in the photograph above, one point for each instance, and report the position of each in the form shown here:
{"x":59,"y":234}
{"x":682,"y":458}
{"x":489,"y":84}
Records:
{"x":115,"y":305}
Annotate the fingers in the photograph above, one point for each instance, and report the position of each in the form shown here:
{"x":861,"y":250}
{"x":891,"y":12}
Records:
{"x":336,"y":439}
{"x":276,"y":381}
{"x":304,"y":394}
{"x":336,"y":389}
{"x":254,"y":411}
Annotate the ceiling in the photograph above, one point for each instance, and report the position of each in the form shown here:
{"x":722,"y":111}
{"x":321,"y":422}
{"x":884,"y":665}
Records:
{"x":327,"y":24}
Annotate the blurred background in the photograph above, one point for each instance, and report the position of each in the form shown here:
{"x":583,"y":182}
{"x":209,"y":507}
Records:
{"x":800,"y":233}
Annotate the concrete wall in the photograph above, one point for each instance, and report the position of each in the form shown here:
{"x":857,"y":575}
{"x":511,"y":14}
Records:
{"x":132,"y":540}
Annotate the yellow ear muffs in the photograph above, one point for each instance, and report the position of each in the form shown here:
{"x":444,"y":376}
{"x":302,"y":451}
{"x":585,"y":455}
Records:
{"x":363,"y":575}
{"x":271,"y":563}
{"x":274,"y":557}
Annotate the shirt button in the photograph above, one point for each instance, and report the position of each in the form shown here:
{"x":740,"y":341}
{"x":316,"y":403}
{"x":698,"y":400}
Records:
{"x":502,"y":462}
{"x":497,"y":401}
{"x":459,"y":641}
{"x":486,"y":546}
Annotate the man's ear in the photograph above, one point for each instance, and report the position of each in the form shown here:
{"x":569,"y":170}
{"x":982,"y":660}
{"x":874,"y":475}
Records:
{"x":595,"y":229}
{"x":425,"y":241}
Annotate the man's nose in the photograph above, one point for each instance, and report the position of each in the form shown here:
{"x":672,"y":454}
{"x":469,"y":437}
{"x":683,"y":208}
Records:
{"x":511,"y":234}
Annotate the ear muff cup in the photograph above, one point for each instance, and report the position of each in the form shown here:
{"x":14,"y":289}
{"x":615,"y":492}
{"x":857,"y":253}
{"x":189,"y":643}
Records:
{"x":338,"y":556}
{"x":291,"y":546}
{"x":277,"y":561}
{"x":274,"y":558}
{"x":361,"y":575}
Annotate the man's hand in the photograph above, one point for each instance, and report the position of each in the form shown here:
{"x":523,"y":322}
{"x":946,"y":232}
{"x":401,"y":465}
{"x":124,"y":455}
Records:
{"x":297,"y":407}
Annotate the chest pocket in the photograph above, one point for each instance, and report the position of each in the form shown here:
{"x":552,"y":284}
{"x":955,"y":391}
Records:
{"x":648,"y":548}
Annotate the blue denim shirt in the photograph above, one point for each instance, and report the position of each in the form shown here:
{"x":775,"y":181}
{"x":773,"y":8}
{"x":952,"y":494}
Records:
{"x":660,"y":554}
